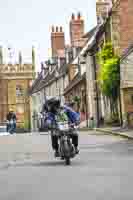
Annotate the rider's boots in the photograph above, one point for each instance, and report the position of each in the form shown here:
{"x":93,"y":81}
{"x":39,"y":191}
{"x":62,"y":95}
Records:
{"x":57,"y":153}
{"x":76,"y":150}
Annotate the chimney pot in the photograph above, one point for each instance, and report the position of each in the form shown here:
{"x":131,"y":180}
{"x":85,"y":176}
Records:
{"x":79,"y":16}
{"x":56,"y":28}
{"x":61,"y":29}
{"x":52,"y":28}
{"x":73,"y":16}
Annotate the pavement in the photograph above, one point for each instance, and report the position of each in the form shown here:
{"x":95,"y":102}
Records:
{"x":102,"y":170}
{"x":124,"y":132}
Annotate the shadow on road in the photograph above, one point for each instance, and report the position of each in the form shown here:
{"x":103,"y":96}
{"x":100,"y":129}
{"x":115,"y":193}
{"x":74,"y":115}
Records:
{"x":48,"y":164}
{"x":56,"y":163}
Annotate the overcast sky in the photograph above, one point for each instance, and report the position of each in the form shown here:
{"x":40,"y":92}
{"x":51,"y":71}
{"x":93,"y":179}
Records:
{"x":24,"y":23}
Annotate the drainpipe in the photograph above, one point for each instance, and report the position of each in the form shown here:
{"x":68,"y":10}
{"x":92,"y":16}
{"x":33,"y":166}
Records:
{"x":79,"y":67}
{"x":79,"y":73}
{"x":96,"y":88}
{"x":86,"y":96}
{"x":120,"y":103}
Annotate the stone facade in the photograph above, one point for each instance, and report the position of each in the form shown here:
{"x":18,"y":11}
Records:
{"x":14,"y":82}
{"x":50,"y":82}
{"x":102,"y":9}
{"x":37,"y":101}
{"x":77,"y":88}
{"x":127,"y":86}
{"x":115,"y":26}
{"x":56,"y":88}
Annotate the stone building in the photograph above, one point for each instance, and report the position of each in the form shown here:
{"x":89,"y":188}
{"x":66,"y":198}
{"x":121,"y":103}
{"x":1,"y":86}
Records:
{"x":15,"y":80}
{"x":97,"y":106}
{"x":122,"y":37}
{"x":77,"y":86}
{"x":115,"y":25}
{"x":127,"y":86}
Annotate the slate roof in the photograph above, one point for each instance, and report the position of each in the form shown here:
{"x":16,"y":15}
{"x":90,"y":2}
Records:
{"x":35,"y":84}
{"x":89,"y":33}
{"x":41,"y":82}
{"x":93,"y":40}
{"x":127,"y":51}
{"x":74,"y":82}
{"x":63,"y":69}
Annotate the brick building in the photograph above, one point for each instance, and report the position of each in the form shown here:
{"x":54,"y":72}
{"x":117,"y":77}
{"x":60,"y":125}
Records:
{"x":121,"y":28}
{"x":122,"y":36}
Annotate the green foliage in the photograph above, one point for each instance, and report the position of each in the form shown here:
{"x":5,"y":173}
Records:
{"x":21,"y":125}
{"x":26,"y":124}
{"x":106,"y":53}
{"x":109,"y":74}
{"x":77,"y":99}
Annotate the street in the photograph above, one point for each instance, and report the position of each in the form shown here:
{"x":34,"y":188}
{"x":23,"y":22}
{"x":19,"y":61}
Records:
{"x":102,"y":171}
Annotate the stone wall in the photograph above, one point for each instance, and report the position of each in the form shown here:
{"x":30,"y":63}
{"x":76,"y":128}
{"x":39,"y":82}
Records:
{"x":115,"y":28}
{"x":14,"y":84}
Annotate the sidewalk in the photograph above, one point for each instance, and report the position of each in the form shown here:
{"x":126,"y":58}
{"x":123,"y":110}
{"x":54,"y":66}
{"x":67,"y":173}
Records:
{"x":124,"y":132}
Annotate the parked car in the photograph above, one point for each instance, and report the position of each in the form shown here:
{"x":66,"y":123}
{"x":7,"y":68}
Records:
{"x":3,"y":130}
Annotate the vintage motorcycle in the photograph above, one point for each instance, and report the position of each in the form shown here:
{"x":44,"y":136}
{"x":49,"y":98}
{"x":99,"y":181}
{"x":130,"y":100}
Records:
{"x":64,"y":130}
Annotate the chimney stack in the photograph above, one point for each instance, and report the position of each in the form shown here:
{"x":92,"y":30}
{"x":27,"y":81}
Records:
{"x":76,"y":30}
{"x":57,"y":42}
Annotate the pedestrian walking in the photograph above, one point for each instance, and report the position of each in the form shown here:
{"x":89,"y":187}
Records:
{"x":11,"y":122}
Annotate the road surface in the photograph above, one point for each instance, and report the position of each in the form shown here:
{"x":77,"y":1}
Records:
{"x":102,"y":171}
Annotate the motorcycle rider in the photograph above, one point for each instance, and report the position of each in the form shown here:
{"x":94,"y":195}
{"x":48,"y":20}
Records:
{"x":52,"y":106}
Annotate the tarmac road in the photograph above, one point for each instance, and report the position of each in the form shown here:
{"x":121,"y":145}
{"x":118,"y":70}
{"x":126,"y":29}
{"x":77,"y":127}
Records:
{"x":102,"y":171}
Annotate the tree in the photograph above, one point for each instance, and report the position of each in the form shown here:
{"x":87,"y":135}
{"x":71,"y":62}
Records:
{"x":109,"y":75}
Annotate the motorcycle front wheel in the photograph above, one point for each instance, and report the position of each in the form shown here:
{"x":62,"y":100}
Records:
{"x":67,"y":161}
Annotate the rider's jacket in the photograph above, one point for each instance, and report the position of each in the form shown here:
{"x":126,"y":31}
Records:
{"x":73,"y":116}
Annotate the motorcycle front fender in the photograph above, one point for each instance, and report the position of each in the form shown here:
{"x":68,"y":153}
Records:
{"x":65,"y":146}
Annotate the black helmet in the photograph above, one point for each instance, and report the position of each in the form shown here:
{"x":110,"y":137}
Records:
{"x":52,"y":104}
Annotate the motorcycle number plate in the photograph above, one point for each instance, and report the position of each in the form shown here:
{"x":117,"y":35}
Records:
{"x":63,"y":127}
